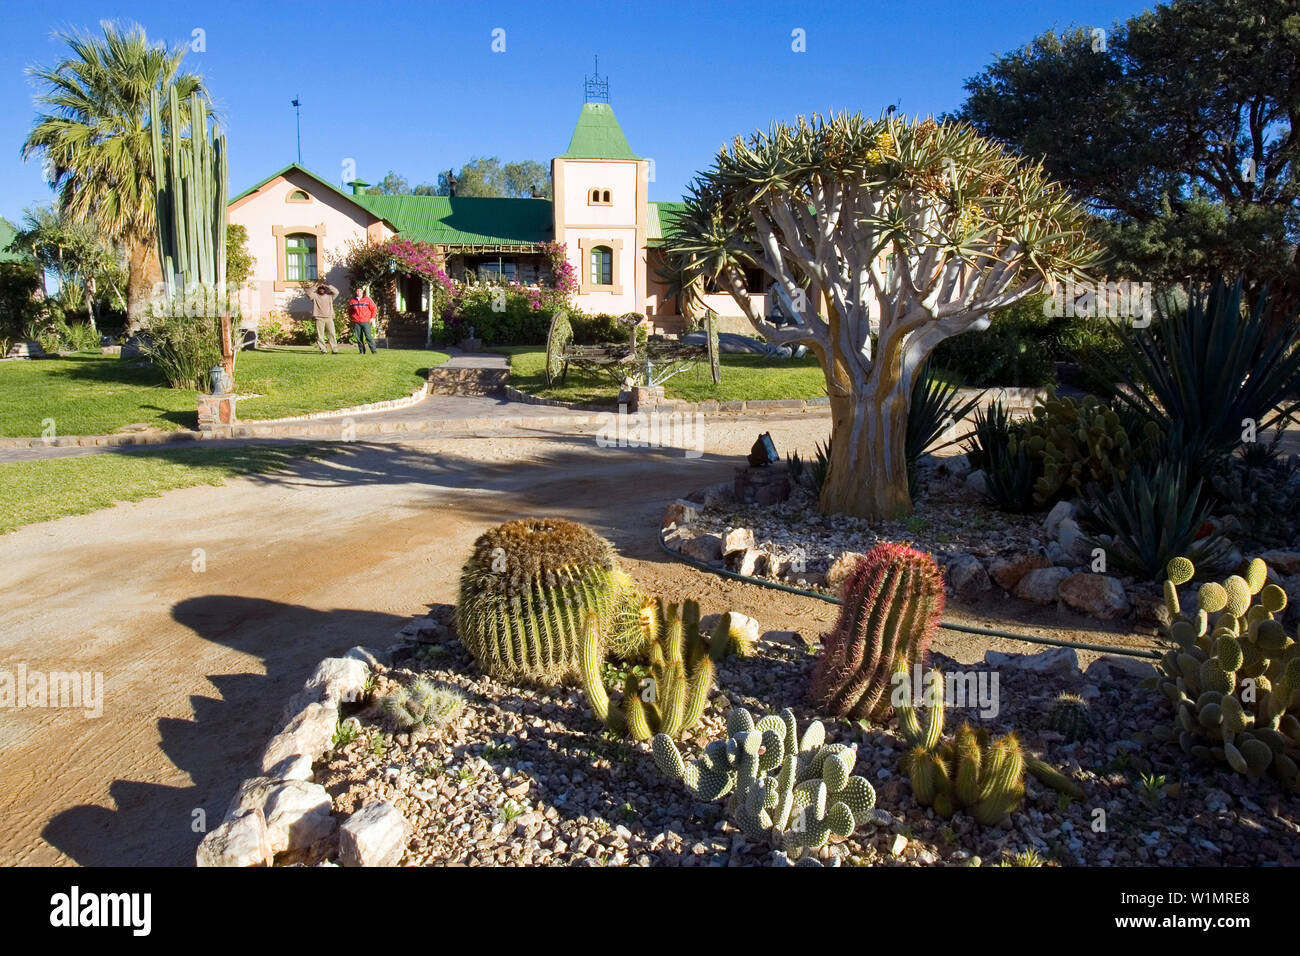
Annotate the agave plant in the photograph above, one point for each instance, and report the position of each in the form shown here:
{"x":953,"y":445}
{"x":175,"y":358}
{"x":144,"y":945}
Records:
{"x":934,"y":408}
{"x":1151,"y":517}
{"x":1201,"y":371}
{"x":1011,"y":471}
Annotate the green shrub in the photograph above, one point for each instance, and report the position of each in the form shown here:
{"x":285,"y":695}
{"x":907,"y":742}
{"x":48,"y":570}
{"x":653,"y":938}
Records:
{"x":596,"y":329}
{"x":500,"y":315}
{"x":184,"y":349}
{"x":1015,"y":351}
{"x":18,"y":284}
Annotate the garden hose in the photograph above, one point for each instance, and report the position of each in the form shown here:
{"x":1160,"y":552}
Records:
{"x":1145,"y":654}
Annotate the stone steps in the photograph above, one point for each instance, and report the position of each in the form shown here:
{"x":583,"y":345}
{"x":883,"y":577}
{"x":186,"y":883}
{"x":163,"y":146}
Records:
{"x":467,"y":381}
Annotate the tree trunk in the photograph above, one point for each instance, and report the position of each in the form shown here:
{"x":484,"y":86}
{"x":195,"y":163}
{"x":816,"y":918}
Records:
{"x":868,"y":467}
{"x":143,"y":271}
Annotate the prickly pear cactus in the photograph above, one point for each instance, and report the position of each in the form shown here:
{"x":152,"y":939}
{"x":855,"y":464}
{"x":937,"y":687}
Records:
{"x":1232,"y":674}
{"x":798,"y":792}
{"x":1079,"y":443}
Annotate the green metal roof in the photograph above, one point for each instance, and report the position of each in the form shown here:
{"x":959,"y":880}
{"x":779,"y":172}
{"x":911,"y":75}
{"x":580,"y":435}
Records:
{"x":465,"y":221}
{"x":598,"y":135}
{"x":7,"y":232}
{"x":662,"y":220}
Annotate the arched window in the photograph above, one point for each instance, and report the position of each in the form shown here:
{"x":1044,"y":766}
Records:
{"x":297,"y":195}
{"x":602,"y":265}
{"x":300,"y":257}
{"x":599,"y":197}
{"x":605,"y":196}
{"x":595,"y":195}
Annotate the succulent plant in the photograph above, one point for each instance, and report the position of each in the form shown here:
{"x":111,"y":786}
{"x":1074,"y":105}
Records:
{"x":672,"y":697}
{"x":525,"y":594}
{"x":1080,"y":443}
{"x":1070,"y":717}
{"x":798,"y":792}
{"x":892,"y":602}
{"x":422,"y":704}
{"x":1232,"y":673}
{"x":970,"y":770}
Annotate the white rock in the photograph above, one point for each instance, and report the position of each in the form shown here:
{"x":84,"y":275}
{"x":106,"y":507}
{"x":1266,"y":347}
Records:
{"x":1097,"y":594}
{"x":375,"y":835}
{"x":339,"y":679}
{"x":958,"y":466}
{"x":370,"y":656}
{"x":297,"y":813}
{"x":1059,"y":661}
{"x":977,"y":483}
{"x":1107,"y":667}
{"x":1286,"y":563}
{"x":1060,"y":511}
{"x":680,"y":512}
{"x":1040,"y":584}
{"x":898,"y":846}
{"x":703,"y":547}
{"x":738,"y":539}
{"x":746,"y":625}
{"x":240,"y":841}
{"x":1070,"y":536}
{"x":309,"y":734}
{"x":746,"y":562}
{"x":966,"y":574}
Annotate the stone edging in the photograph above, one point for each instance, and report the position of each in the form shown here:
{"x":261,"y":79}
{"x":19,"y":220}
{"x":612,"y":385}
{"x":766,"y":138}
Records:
{"x":283,"y":809}
{"x":416,"y":397}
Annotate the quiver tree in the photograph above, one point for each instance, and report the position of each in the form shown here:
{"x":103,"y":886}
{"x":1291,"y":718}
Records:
{"x":881,"y":239}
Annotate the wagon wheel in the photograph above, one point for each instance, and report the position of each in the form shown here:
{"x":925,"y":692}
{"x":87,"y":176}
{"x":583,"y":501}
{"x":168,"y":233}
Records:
{"x":558,"y":340}
{"x":715,"y":361}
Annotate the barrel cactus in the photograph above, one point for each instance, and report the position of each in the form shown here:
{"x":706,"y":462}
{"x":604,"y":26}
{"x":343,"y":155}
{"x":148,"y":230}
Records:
{"x":1070,"y":717}
{"x":892,"y":603}
{"x":525,"y":594}
{"x":1232,"y":673}
{"x":796,"y":792}
{"x":423,"y":704}
{"x":970,"y":770}
{"x":671,"y":695}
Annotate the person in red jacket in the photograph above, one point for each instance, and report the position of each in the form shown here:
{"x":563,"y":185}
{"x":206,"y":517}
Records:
{"x":362,"y":312}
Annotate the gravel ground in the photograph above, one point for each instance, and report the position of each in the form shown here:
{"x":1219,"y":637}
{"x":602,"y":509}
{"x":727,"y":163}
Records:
{"x":524,"y":776}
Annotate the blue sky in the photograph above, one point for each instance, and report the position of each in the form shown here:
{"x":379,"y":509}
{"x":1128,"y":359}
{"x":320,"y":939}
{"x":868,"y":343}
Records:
{"x":416,"y":87}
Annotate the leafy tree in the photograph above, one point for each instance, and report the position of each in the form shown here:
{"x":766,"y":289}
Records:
{"x":882,"y":239}
{"x":1176,"y":128}
{"x":239,"y":262}
{"x":86,"y":266}
{"x":391,"y":185}
{"x":486,"y":176}
{"x":95,"y":142}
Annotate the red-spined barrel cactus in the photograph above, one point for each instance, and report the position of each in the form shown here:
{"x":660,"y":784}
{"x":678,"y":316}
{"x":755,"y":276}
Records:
{"x":893,"y":600}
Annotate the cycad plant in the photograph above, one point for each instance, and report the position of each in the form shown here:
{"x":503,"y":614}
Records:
{"x":997,"y":446}
{"x":935,"y":407}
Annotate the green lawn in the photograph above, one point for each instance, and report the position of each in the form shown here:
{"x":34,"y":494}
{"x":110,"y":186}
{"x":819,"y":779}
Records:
{"x":743,"y":377}
{"x":89,"y":394}
{"x":44,"y":489}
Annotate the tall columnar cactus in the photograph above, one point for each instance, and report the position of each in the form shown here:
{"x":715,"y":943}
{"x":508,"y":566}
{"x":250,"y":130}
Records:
{"x":525,"y":594}
{"x":1233,"y":674}
{"x":191,"y":174}
{"x":893,"y":600}
{"x":968,"y":771}
{"x":795,"y":791}
{"x":669,"y":699}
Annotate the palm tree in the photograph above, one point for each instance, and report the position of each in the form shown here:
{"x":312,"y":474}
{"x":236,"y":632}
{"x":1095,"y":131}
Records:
{"x":94,"y":139}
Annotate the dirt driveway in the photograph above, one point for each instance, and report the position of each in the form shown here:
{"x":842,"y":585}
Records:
{"x":205,"y":609}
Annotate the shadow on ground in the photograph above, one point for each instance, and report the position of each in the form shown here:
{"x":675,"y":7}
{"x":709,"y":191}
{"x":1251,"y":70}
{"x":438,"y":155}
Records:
{"x":154,"y":825}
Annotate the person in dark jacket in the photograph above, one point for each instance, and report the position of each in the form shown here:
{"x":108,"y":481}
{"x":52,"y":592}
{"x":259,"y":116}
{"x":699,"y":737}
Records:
{"x":362,"y":312}
{"x":322,"y":310}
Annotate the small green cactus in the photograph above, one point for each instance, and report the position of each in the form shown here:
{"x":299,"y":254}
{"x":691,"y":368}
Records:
{"x":1070,"y":717}
{"x":672,"y":698}
{"x":423,"y":704}
{"x":969,"y":770}
{"x":798,"y":792}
